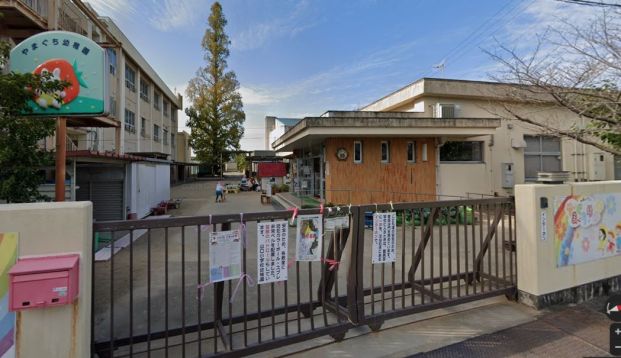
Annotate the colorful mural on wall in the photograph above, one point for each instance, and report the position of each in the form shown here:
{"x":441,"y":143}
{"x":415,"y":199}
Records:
{"x":8,"y":256}
{"x":587,"y":228}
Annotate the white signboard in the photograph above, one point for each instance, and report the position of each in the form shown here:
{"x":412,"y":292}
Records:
{"x":268,"y":190}
{"x":272,"y":251}
{"x":384,"y":237}
{"x":224,"y":255}
{"x":309,"y":238}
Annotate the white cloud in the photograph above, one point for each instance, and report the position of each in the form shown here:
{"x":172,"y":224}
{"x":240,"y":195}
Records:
{"x":173,"y":14}
{"x":251,"y":96}
{"x":114,"y":8}
{"x":260,"y":34}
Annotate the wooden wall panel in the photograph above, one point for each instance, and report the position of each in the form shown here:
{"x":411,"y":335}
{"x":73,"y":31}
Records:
{"x":375,"y":182}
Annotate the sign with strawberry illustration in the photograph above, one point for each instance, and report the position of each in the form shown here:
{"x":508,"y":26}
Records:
{"x":69,"y":57}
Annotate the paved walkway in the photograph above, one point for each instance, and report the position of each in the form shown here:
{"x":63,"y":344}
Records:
{"x":567,"y":331}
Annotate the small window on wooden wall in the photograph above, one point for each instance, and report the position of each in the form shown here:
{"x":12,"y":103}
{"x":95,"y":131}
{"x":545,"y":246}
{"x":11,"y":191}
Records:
{"x":357,"y":151}
{"x":411,"y":152}
{"x":385,"y":148}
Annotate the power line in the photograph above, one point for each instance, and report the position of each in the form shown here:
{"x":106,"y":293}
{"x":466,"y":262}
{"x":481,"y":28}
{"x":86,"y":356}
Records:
{"x":591,"y":3}
{"x":490,"y":26}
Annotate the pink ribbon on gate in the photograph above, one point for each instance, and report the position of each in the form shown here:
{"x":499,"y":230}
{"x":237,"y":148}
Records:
{"x":201,"y":290}
{"x":295,"y":213}
{"x":333,"y":263}
{"x":243,"y":276}
{"x":321,"y":208}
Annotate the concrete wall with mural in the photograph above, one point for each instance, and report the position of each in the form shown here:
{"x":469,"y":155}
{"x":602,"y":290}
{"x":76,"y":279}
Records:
{"x":8,"y":255}
{"x":568,"y":237}
{"x":52,"y":229}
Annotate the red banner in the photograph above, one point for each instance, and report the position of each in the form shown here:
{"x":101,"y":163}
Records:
{"x":272,"y":170}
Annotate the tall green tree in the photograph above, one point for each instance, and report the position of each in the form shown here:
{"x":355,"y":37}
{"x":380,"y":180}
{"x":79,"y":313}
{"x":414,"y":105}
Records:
{"x":216,"y":115}
{"x":21,"y":156}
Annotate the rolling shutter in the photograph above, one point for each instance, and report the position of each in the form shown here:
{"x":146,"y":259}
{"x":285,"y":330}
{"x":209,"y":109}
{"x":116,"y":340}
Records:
{"x":107,"y":198}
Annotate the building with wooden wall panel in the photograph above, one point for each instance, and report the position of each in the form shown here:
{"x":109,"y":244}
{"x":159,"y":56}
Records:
{"x":473,"y":149}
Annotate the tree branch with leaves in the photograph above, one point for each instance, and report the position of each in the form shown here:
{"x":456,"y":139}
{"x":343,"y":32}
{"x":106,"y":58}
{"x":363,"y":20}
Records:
{"x":574,"y":67}
{"x":21,"y":156}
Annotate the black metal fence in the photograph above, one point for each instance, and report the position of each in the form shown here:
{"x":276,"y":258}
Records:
{"x":151,"y":297}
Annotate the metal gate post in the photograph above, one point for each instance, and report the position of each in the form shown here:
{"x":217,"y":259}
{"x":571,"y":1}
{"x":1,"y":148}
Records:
{"x":355,"y":284}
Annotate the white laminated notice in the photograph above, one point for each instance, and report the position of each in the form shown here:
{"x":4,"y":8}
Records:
{"x":384,"y":237}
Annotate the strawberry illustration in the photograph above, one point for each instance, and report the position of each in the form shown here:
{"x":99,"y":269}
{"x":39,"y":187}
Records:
{"x":60,"y":70}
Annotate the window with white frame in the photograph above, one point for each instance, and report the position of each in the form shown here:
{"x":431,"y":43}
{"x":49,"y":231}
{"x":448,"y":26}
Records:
{"x":156,"y":100}
{"x":385,"y":148}
{"x":469,"y":151}
{"x":130,"y":121}
{"x":446,"y":110}
{"x":156,"y":133}
{"x":357,"y":151}
{"x":165,"y":136}
{"x":411,"y":152}
{"x":542,"y":154}
{"x":165,"y":108}
{"x":130,"y":78}
{"x":144,"y":90}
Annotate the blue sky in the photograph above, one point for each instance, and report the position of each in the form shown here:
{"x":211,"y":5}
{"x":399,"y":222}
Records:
{"x":299,"y":58}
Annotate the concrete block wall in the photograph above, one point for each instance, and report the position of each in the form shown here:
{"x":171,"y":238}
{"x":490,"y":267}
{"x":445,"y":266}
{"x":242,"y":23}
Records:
{"x":53,"y":229}
{"x":540,"y":281}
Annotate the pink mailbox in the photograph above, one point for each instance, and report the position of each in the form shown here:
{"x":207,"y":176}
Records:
{"x":43,"y":281}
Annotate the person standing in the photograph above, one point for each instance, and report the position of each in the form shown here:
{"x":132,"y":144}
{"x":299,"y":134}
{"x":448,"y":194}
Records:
{"x":219,"y":192}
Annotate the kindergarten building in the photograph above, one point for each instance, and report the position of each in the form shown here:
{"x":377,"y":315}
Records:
{"x":436,"y":139}
{"x":123,"y":161}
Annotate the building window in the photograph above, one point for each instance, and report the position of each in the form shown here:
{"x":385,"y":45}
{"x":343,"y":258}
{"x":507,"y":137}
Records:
{"x":156,"y":133}
{"x":461,"y":152}
{"x":156,"y":100}
{"x":143,"y":127}
{"x":130,"y":78}
{"x":144,"y":90}
{"x":357,"y":151}
{"x":165,"y":136}
{"x":411,"y":152}
{"x":172,"y":140}
{"x":112,"y":60}
{"x":542,"y":154}
{"x":385,"y":147}
{"x":130,"y":121}
{"x":165,"y":108}
{"x":446,"y":110}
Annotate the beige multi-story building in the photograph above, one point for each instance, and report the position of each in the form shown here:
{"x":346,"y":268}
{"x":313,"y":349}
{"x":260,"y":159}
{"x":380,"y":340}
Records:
{"x":124,"y":162}
{"x":437,"y":139}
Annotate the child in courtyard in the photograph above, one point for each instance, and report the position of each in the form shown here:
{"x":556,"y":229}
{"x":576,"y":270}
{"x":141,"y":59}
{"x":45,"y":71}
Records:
{"x":219,"y":192}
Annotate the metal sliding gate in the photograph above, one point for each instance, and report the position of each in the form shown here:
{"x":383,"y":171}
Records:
{"x":152,"y":298}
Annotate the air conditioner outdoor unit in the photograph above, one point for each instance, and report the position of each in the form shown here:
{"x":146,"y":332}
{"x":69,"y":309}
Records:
{"x":552,"y":177}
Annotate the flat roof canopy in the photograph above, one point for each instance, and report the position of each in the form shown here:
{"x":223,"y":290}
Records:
{"x":314,"y":130}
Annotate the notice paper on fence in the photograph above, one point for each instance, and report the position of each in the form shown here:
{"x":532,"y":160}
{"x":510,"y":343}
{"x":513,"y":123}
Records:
{"x":384,"y":237}
{"x":272,"y":240}
{"x":309,"y":238}
{"x":224,"y":255}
